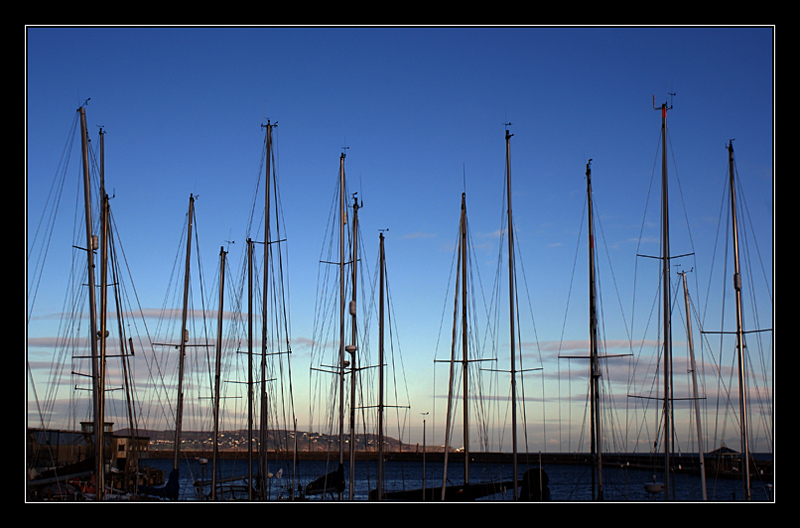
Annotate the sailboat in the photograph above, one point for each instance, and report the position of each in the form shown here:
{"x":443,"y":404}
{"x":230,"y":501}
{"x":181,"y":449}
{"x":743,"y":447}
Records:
{"x":269,"y":386}
{"x":172,"y":488}
{"x":667,"y":419}
{"x":740,"y":353}
{"x":97,"y":363}
{"x":274,"y":346}
{"x":217,"y":379}
{"x":110,"y":469}
{"x":594,"y":368}
{"x":747,"y":383}
{"x":465,"y":491}
{"x":695,"y":391}
{"x":275,"y":378}
{"x":595,"y":411}
{"x":667,"y":422}
{"x":333,"y":482}
{"x":534,"y":484}
{"x":656,"y":486}
{"x":667,"y":305}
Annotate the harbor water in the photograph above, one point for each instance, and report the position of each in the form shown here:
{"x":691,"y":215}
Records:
{"x":567,"y":483}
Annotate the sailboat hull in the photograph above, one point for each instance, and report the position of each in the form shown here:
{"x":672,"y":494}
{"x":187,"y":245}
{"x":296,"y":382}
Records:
{"x":534,"y":486}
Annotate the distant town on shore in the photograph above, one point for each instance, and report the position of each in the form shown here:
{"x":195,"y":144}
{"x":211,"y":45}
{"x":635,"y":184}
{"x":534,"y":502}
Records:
{"x":237,"y":440}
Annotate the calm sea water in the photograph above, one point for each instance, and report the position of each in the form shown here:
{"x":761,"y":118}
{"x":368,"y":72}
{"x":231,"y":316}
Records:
{"x":567,"y":482}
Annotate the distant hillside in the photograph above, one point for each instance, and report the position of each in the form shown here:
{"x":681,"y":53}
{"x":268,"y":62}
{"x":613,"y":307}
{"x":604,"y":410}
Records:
{"x":284,"y":440}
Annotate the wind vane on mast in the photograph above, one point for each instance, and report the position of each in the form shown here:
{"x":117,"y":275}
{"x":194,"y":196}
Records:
{"x":671,"y":95}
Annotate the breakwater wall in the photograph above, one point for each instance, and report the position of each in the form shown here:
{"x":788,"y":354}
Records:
{"x":724,"y":467}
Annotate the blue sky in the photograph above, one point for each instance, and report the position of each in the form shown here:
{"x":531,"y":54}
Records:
{"x":421,"y":111}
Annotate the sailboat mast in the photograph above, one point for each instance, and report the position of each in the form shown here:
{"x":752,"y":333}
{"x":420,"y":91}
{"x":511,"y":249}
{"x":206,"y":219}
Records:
{"x":184,"y":337}
{"x":511,"y":294}
{"x":597,"y":452}
{"x":104,"y":243}
{"x":101,"y":409}
{"x":464,"y":336}
{"x":666,"y":299}
{"x":250,"y":369}
{"x":342,"y":222}
{"x":694,"y":386}
{"x":263,"y":430}
{"x":737,"y":285}
{"x":351,"y":349}
{"x":217,"y":375}
{"x":103,"y":299}
{"x":461,"y":264}
{"x":97,"y":394}
{"x":382,"y":268}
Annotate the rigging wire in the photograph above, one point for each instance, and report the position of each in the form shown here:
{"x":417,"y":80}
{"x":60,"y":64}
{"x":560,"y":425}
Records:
{"x":725,"y":399}
{"x":47,"y":220}
{"x":563,"y":329}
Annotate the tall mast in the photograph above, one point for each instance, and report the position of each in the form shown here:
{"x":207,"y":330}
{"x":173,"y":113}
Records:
{"x":104,"y":243}
{"x":462,"y":264}
{"x":694,"y":386}
{"x":263,"y":426}
{"x":101,"y":409}
{"x":597,"y":452}
{"x":464,"y":336}
{"x":382,"y":268}
{"x":511,"y":293}
{"x":184,"y":337}
{"x":351,"y":349}
{"x":106,"y":253}
{"x":666,"y":299}
{"x":737,"y":285}
{"x":342,"y":222}
{"x":103,"y":292}
{"x":217,"y":375}
{"x":250,"y":369}
{"x":97,"y":394}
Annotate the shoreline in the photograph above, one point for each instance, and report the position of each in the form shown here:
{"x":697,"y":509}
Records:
{"x":721,"y":466}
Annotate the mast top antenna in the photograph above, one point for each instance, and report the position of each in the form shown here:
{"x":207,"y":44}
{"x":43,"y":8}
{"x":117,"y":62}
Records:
{"x":664,"y":106}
